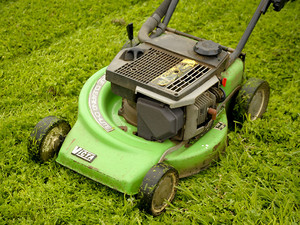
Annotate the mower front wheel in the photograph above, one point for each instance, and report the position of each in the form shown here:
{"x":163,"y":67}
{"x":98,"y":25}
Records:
{"x":252,"y":99}
{"x":158,"y":188}
{"x":47,"y":137}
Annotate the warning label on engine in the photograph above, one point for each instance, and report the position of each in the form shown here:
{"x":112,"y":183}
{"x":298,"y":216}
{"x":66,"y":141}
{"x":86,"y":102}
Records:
{"x":175,"y":72}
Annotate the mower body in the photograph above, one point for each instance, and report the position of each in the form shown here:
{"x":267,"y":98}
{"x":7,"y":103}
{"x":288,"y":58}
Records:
{"x":105,"y":147}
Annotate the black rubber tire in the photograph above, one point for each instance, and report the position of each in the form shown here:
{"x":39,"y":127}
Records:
{"x":158,"y":188}
{"x":252,"y":100}
{"x":47,"y":137}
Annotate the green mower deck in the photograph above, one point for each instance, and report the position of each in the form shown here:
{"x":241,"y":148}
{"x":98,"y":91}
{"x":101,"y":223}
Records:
{"x":122,"y":159}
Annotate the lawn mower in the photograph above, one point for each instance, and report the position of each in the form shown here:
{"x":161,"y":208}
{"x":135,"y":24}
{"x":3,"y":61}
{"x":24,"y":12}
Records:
{"x":158,"y":112}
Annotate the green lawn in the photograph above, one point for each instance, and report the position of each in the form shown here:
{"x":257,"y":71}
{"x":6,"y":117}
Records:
{"x":48,"y":49}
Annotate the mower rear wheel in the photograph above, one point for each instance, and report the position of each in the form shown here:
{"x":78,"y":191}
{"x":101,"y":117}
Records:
{"x":47,"y":137}
{"x":158,"y":188}
{"x":252,"y":99}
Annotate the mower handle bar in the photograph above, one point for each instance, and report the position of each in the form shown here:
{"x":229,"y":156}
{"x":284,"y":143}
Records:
{"x":166,"y":9}
{"x":261,"y":9}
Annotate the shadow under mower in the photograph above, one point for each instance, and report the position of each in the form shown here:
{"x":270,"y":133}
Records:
{"x":157,"y":113}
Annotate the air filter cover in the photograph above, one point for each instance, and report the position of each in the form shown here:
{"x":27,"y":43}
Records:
{"x":156,"y":121}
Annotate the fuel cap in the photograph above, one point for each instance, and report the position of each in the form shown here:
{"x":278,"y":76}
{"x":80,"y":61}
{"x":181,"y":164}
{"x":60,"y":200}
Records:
{"x":207,"y":48}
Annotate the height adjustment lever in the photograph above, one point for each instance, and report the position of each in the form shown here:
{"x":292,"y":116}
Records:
{"x":129,"y":29}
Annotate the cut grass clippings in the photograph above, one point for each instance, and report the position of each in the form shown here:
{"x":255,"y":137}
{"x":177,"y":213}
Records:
{"x":48,"y":49}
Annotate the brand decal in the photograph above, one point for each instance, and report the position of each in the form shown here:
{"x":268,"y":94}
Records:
{"x":84,"y":154}
{"x":93,"y":104}
{"x":220,"y":126}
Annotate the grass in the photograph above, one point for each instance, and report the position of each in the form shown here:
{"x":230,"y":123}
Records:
{"x":48,"y":49}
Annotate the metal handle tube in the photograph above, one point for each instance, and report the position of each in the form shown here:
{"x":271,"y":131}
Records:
{"x":260,"y":9}
{"x":166,"y":10}
{"x":162,"y":26}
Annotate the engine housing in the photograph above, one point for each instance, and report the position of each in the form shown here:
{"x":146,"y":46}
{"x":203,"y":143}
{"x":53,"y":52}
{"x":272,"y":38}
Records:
{"x":165,"y":85}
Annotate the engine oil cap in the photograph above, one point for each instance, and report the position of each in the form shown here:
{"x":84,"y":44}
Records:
{"x":207,"y":48}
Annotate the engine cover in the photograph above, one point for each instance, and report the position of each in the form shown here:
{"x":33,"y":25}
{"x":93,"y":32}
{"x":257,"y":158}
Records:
{"x":157,"y":121}
{"x":166,"y":65}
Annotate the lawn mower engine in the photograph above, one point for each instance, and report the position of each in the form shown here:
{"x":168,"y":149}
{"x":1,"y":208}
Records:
{"x":170,"y":86}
